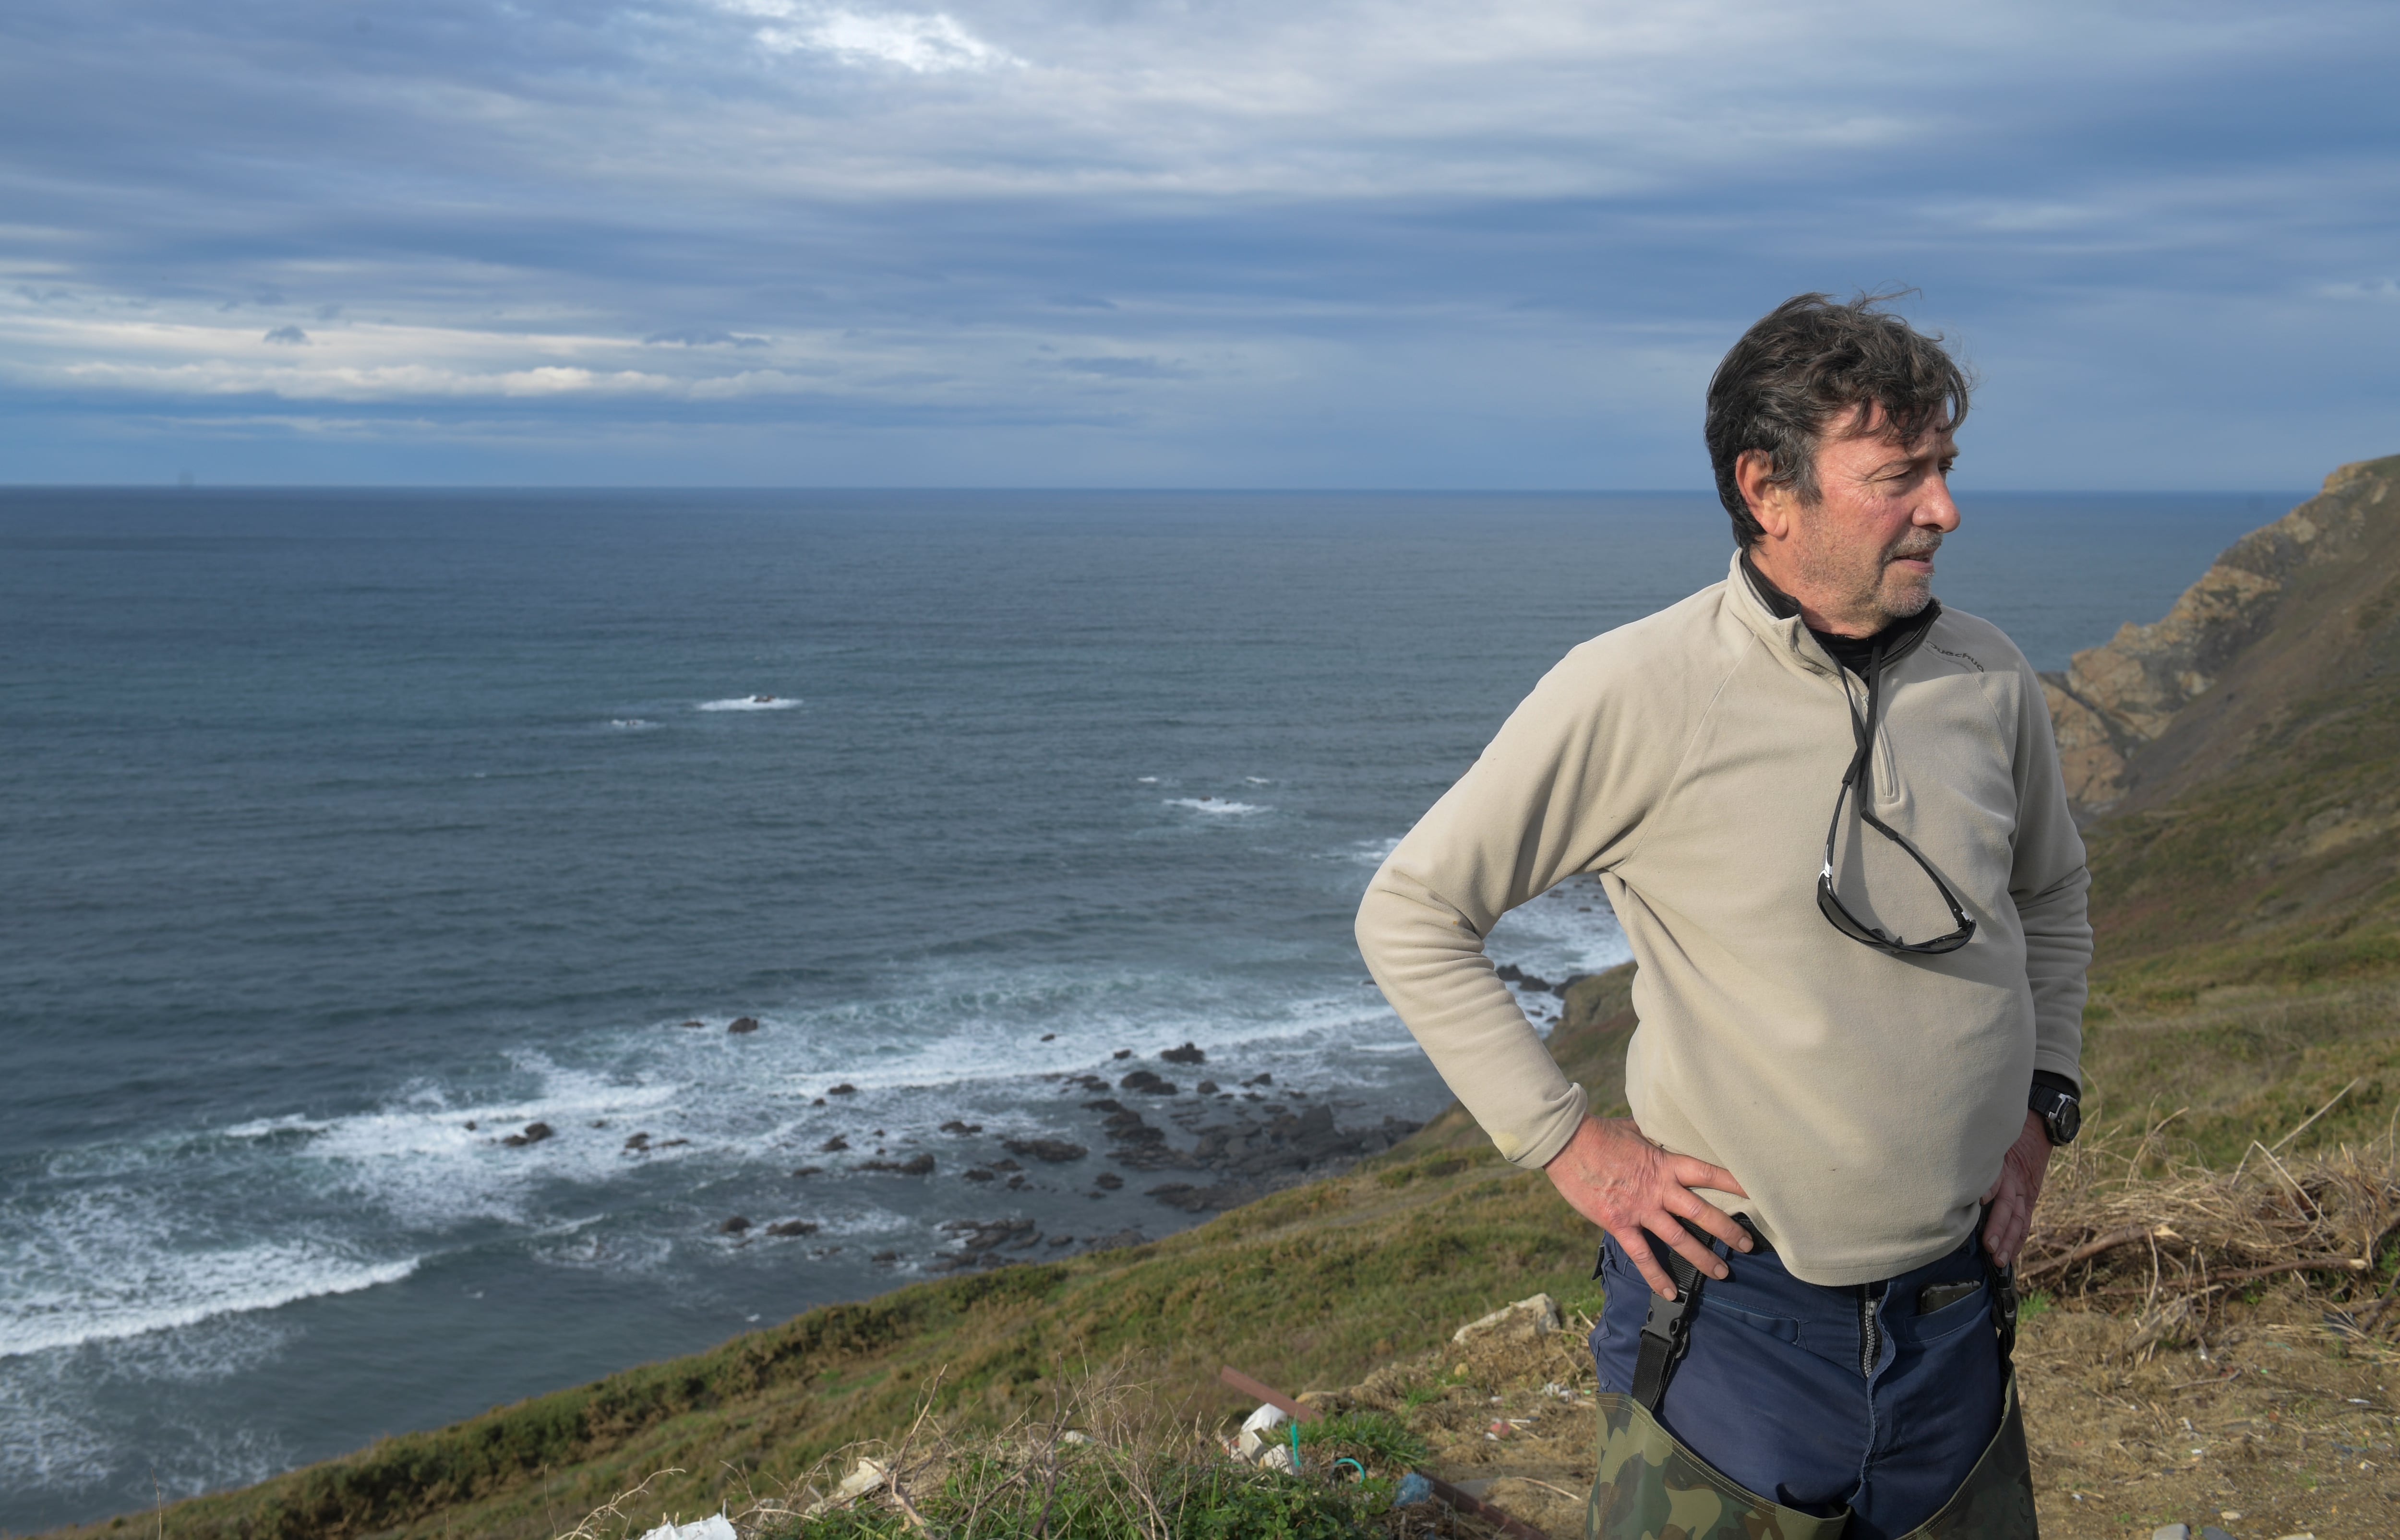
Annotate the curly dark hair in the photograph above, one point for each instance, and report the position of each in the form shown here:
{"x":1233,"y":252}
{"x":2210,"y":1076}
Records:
{"x":1810,"y":362}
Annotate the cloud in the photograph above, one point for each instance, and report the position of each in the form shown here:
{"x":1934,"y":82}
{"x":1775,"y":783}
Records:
{"x":698,"y":337}
{"x":1122,"y":369}
{"x":920,"y":44}
{"x":1372,"y":240}
{"x":289,"y":337}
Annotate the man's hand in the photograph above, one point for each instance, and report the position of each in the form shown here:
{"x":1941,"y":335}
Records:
{"x":2012,"y":1194}
{"x":1624,"y":1184}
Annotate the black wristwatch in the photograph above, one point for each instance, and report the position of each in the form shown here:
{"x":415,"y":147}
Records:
{"x":2059,"y":1104}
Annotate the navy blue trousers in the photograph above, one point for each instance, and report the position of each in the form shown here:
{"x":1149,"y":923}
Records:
{"x":1818,"y":1397}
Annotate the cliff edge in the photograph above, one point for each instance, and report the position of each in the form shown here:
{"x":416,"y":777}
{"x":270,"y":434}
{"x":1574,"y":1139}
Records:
{"x":2238,"y":761}
{"x":2307,"y":604}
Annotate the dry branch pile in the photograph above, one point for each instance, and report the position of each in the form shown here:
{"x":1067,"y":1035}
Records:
{"x":2150,"y":1233}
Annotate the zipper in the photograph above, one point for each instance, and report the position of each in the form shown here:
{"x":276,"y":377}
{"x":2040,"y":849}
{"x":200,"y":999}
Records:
{"x":1870,"y":1329}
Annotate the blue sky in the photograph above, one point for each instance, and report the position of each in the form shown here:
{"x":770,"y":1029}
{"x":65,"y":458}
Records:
{"x":1036,"y":242}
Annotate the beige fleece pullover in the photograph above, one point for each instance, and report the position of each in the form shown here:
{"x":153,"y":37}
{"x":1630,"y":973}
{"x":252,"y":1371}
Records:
{"x":1692,"y":760}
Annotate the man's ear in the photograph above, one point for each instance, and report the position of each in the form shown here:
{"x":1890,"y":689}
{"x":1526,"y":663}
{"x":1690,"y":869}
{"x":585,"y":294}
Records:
{"x":1770,"y":502}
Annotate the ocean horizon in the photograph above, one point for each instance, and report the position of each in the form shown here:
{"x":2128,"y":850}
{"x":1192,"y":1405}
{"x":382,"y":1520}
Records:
{"x":783,"y":856}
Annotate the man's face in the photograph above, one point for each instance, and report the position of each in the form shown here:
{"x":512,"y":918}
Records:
{"x":1864,"y":551}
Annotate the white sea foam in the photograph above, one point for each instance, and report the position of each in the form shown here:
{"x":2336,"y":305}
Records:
{"x":750,"y":702}
{"x":1146,"y":780}
{"x":633,"y":724}
{"x":1258,"y":780}
{"x":1217,"y":807}
{"x":110,"y":1293}
{"x":420,"y":1162}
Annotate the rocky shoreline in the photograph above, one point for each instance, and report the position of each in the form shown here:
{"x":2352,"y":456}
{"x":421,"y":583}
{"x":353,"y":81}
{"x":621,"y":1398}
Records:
{"x":1237,"y":1143}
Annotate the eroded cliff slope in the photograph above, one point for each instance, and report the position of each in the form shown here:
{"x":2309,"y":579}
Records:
{"x":2240,"y":758}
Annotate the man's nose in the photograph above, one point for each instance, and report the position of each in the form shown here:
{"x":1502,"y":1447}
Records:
{"x":1936,"y":510}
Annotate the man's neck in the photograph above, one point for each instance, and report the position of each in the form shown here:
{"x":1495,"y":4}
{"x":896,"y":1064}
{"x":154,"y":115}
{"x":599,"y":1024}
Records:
{"x":1797,"y":598}
{"x":1852,"y":652}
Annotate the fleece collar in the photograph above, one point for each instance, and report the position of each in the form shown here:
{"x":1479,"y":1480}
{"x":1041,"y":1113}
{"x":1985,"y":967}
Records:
{"x":1774,"y":619}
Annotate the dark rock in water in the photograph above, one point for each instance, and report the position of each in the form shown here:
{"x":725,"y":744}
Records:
{"x":734,"y":1226}
{"x":981,"y":1241}
{"x":793,"y":1227}
{"x":695,"y":1024}
{"x":1105,"y":1104}
{"x":1189,"y":1054}
{"x":1262,"y":1078}
{"x":807,"y":1170}
{"x":915,"y":1166}
{"x":669,"y":1144}
{"x":956,"y":1126}
{"x":1007,"y":1165}
{"x":833,"y":1146}
{"x":534,"y":1134}
{"x":639,"y":1141}
{"x":1508,"y":973}
{"x":1109,"y":1179}
{"x":1049,"y":1036}
{"x":744,"y":1024}
{"x":1122,"y":1053}
{"x":844,"y":1089}
{"x":1091,"y":1082}
{"x":1062,"y":1240}
{"x":1017,"y":1184}
{"x":470,"y":1125}
{"x":884,"y":1259}
{"x":977,"y":1174}
{"x":1055,"y":1151}
{"x":1206,"y":1088}
{"x":1148,"y":1083}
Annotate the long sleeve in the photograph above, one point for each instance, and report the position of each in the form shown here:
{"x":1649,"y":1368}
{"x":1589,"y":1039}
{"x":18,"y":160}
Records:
{"x":1548,"y":798}
{"x":2051,"y":887}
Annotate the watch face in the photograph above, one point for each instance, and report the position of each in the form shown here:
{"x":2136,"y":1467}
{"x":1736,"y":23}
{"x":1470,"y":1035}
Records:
{"x":2066,"y":1121}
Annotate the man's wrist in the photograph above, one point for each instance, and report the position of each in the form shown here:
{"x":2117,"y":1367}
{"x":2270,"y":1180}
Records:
{"x":2058,"y":1102}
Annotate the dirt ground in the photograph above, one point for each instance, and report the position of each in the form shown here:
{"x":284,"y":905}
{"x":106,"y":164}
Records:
{"x":2283,"y":1422}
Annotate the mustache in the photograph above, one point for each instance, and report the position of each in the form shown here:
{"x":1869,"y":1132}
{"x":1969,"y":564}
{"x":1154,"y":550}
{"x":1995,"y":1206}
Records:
{"x":1915,"y":546}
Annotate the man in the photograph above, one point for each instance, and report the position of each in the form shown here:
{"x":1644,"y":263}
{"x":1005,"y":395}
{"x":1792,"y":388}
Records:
{"x":1857,"y":1045}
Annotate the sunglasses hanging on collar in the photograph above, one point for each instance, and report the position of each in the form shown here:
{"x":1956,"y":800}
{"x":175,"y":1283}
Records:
{"x":1861,"y":777}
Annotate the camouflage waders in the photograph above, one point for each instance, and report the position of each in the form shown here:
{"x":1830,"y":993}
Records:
{"x":1648,"y":1486}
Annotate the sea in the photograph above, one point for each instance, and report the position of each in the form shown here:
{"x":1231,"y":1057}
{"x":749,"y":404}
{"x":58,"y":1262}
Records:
{"x":347,"y":835}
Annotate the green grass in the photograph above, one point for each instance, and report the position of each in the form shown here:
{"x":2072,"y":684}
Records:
{"x":1375,"y":1437}
{"x":1098,"y":1495}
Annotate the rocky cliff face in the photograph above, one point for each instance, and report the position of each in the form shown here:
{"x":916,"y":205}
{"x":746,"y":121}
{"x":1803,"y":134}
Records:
{"x":2304,"y":604}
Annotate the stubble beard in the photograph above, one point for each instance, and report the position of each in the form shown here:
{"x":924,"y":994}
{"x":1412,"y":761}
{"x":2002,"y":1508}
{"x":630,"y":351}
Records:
{"x":1898,"y":594}
{"x":1874,"y":592}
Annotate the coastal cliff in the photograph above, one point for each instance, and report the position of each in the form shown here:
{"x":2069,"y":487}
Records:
{"x":2306,"y":604}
